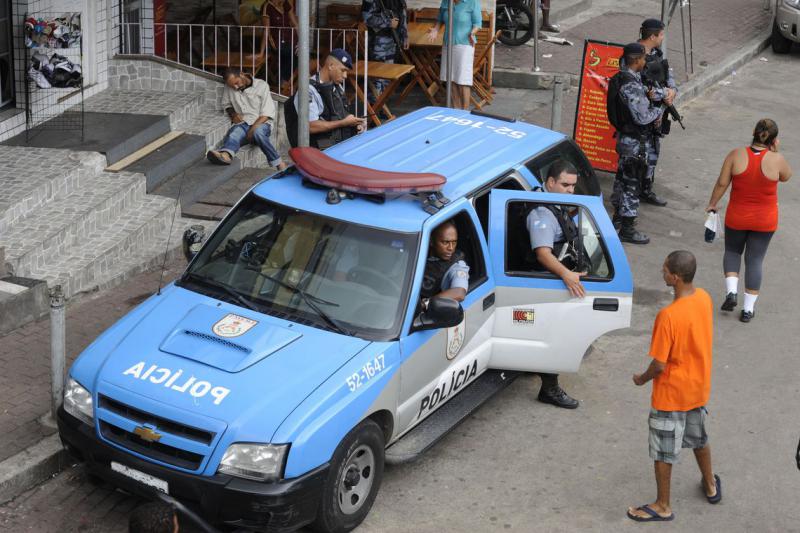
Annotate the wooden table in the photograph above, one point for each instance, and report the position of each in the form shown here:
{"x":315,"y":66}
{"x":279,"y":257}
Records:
{"x":394,"y":72}
{"x":422,"y":54}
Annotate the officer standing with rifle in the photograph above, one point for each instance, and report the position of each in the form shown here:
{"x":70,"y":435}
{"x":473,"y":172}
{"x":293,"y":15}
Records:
{"x":636,"y":120}
{"x":657,"y":77}
{"x":387,"y":23}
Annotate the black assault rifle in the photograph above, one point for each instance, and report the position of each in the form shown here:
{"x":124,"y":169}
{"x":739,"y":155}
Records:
{"x":671,"y":110}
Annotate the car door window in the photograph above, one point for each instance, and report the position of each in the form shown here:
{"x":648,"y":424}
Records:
{"x":588,"y":253}
{"x":568,"y":151}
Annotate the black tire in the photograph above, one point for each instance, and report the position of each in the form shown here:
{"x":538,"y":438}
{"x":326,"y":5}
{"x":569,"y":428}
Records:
{"x":780,"y":44}
{"x":518,"y":29}
{"x":350,"y":456}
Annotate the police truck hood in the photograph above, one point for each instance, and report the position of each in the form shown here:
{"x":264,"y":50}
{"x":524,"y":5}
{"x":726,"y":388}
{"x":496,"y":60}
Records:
{"x":222,"y":361}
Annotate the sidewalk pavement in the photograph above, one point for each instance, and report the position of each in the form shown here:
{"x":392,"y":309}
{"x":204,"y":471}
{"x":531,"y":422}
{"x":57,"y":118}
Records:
{"x":721,"y":28}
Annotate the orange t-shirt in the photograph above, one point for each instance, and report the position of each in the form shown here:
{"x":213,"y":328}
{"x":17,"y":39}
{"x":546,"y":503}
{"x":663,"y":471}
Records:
{"x":682,"y":339}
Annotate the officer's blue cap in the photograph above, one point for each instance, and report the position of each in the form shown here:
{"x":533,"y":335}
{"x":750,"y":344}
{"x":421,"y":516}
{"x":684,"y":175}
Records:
{"x":343,"y":56}
{"x":633,"y":50}
{"x":652,"y":24}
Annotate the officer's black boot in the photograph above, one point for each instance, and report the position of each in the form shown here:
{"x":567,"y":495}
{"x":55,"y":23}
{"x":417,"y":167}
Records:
{"x":628,"y":232}
{"x":652,"y":198}
{"x":616,"y":220}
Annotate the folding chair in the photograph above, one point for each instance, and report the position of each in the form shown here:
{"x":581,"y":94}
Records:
{"x":481,"y":93}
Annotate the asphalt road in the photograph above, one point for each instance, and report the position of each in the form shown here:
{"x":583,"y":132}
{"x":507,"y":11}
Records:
{"x":518,"y":465}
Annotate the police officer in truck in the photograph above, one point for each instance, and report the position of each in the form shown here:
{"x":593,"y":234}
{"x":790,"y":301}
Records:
{"x":446,"y":271}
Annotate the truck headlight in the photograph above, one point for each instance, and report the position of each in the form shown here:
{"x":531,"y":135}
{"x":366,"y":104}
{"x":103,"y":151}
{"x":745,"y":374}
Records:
{"x":261,"y":462}
{"x":792,"y":3}
{"x":78,"y":402}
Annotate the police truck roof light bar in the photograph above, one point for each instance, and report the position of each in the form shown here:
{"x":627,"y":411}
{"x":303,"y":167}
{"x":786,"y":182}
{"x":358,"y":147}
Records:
{"x":322,"y":169}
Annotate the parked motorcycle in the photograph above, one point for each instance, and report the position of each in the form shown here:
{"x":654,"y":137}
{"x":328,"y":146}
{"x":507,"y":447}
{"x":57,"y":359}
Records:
{"x":514,"y":19}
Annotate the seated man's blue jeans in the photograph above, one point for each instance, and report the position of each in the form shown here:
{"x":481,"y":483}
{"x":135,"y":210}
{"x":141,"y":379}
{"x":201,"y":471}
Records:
{"x":237,"y":136}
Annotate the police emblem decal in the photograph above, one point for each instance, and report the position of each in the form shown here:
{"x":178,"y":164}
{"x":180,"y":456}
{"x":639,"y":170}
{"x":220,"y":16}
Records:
{"x":524,"y":317}
{"x":455,"y":339}
{"x":232,"y":325}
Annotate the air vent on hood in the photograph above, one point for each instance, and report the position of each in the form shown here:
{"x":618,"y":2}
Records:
{"x":214,"y":338}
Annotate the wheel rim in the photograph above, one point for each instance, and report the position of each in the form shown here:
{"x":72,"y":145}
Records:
{"x":355,"y":481}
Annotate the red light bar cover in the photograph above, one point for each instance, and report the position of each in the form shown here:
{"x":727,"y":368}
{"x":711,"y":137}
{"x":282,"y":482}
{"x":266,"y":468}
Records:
{"x":324,"y":170}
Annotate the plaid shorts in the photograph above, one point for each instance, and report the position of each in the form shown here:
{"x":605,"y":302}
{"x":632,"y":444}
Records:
{"x":672,"y":430}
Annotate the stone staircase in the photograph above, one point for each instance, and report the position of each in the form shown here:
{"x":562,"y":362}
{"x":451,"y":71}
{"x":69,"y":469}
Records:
{"x":84,"y":228}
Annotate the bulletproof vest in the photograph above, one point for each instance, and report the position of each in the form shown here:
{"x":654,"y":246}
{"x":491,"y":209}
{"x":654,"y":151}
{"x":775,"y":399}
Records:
{"x":334,"y":108}
{"x":570,"y":230}
{"x":434,"y":274}
{"x":290,"y":119}
{"x":618,"y":113}
{"x":656,"y":69}
{"x":392,"y":8}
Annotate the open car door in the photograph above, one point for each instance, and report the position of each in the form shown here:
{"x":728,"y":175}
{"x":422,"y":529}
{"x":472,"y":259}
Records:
{"x":538,"y":325}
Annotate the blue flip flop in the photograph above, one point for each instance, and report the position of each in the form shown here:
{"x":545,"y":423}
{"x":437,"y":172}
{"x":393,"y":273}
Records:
{"x":716,"y":497}
{"x":654,"y":516}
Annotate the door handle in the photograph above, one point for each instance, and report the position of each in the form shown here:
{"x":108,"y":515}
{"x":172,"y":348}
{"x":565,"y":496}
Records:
{"x":605,"y":304}
{"x":488,"y":302}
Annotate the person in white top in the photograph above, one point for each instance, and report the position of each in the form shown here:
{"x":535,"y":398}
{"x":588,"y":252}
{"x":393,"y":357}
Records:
{"x":251,"y":109}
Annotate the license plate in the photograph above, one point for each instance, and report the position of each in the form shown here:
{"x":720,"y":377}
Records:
{"x":141,"y":477}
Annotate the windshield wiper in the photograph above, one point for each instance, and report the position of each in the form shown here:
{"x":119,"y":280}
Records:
{"x":219,"y":285}
{"x":309,"y":300}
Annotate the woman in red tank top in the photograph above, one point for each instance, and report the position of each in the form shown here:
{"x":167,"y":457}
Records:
{"x":752,"y":214}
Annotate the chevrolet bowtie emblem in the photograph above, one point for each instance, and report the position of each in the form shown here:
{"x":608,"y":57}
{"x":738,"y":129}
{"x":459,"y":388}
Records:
{"x":146,"y":434}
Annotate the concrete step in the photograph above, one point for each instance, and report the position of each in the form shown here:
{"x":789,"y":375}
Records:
{"x":114,"y":134}
{"x":60,"y":225}
{"x":197,"y":181}
{"x":211,"y":124}
{"x":34,"y":177}
{"x":106,"y":253}
{"x":171,"y":159}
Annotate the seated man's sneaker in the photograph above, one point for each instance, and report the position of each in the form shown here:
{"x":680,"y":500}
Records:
{"x":556,"y":396}
{"x":730,"y":302}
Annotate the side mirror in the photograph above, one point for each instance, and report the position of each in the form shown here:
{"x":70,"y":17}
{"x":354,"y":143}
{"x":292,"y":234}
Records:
{"x":441,"y":313}
{"x":193,"y":239}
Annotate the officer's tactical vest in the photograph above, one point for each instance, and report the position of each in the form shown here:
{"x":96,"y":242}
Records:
{"x":618,"y":113}
{"x":434,"y":274}
{"x":334,"y":108}
{"x":656,"y":69}
{"x":571,"y":233}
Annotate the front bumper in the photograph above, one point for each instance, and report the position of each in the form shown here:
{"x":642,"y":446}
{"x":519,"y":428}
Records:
{"x":788,"y":21}
{"x":276,"y":507}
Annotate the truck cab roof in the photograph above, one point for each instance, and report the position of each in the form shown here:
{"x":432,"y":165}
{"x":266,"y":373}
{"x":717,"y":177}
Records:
{"x":468,"y":149}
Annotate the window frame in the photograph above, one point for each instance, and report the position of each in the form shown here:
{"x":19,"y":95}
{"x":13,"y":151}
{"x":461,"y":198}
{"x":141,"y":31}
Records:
{"x":546,"y":274}
{"x":585,"y":166}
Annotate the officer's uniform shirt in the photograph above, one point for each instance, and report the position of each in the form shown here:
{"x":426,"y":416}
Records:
{"x":315,"y":103}
{"x":383,"y":46}
{"x":543,"y":228}
{"x":643,"y":112}
{"x":456,"y":277}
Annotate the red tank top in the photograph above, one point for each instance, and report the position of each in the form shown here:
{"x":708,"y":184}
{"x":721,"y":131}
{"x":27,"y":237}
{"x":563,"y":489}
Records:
{"x":754,"y":198}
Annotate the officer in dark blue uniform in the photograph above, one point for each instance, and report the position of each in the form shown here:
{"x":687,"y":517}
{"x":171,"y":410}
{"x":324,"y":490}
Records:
{"x":636,"y":120}
{"x":657,"y":77}
{"x":446,"y":272}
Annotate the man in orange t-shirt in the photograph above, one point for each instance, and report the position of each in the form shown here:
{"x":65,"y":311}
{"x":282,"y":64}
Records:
{"x":681,"y":374}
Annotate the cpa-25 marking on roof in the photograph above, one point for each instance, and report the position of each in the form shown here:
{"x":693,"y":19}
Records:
{"x":480,"y":124}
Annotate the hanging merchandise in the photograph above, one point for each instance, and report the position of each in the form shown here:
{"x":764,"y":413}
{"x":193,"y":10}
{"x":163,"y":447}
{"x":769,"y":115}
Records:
{"x":54,"y":71}
{"x":59,"y":32}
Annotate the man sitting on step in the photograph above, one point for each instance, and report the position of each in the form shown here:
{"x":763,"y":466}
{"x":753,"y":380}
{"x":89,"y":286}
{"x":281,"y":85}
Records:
{"x":251,"y":109}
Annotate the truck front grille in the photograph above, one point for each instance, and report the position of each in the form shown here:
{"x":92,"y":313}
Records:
{"x":155,"y":450}
{"x":141,"y":417}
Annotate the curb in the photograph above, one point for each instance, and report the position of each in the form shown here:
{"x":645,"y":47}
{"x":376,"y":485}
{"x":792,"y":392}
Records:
{"x":697,"y":85}
{"x":512,"y":78}
{"x":31,"y":467}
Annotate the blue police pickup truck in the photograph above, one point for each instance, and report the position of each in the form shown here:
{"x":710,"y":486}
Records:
{"x":268,"y":386}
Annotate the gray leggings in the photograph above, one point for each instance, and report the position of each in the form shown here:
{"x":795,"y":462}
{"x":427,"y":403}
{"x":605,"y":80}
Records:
{"x":754,"y":245}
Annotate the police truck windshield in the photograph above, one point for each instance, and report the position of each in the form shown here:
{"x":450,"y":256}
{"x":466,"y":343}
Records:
{"x":307,"y":268}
